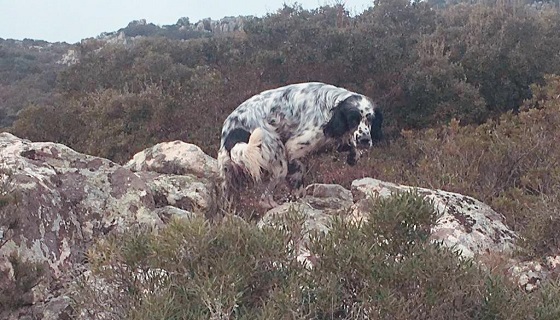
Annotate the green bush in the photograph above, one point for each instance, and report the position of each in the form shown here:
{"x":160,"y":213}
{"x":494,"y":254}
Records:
{"x":383,"y":268}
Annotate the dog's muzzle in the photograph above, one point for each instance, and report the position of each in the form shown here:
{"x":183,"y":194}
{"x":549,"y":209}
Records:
{"x":364,"y":143}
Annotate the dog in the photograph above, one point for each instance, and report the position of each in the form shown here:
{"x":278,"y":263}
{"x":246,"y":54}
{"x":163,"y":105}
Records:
{"x":265,"y":137}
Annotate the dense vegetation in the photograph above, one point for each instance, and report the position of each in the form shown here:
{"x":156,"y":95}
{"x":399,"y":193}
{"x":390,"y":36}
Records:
{"x":471,"y":103}
{"x":28,"y":71}
{"x":423,"y":65}
{"x":382,"y":269}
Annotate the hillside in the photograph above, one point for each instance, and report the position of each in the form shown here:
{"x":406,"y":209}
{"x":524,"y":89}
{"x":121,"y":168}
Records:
{"x":29,"y":68}
{"x":470,"y":92}
{"x":28,"y":71}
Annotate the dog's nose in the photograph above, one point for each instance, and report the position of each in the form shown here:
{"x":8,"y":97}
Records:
{"x":364,"y":141}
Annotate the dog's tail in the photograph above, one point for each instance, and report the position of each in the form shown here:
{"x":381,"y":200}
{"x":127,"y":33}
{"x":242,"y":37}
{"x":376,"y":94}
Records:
{"x":243,"y":163}
{"x":249,"y":155}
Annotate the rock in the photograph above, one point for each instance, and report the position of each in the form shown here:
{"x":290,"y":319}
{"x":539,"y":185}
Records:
{"x":553,"y":263}
{"x":169,"y":213}
{"x":185,"y":192}
{"x":321,"y":203}
{"x":175,"y":157}
{"x":313,"y":220}
{"x":466,"y":224}
{"x":328,"y":196}
{"x":221,"y":26}
{"x":529,"y":275}
{"x":64,"y":200}
{"x":69,"y":58}
{"x":179,"y":174}
{"x":317,"y":207}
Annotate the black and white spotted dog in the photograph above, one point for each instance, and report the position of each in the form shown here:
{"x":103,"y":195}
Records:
{"x":267,"y":135}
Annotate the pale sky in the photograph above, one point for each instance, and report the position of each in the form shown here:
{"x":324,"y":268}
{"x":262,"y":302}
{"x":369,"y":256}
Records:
{"x":73,"y":20}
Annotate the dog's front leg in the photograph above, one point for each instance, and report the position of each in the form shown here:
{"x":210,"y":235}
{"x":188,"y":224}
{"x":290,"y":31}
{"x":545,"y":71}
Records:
{"x":352,"y":158}
{"x":347,"y":145}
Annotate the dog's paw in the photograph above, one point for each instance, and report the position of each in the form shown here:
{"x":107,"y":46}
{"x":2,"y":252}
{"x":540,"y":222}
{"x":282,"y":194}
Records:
{"x":352,"y":159}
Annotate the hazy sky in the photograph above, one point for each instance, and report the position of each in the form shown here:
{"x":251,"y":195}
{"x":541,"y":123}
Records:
{"x":73,"y":20}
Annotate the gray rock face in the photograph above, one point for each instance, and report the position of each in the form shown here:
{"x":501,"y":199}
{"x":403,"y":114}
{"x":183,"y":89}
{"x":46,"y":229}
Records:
{"x":224,"y":25}
{"x":179,"y":174}
{"x":64,"y":200}
{"x":466,"y":224}
{"x":175,"y":157}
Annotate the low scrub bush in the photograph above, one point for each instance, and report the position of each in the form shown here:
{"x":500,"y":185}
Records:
{"x":383,"y":268}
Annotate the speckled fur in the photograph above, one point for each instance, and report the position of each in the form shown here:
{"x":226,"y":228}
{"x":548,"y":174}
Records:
{"x":294,"y":121}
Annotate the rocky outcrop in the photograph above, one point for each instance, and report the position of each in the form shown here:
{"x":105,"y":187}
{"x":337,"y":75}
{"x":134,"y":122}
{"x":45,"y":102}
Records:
{"x":174,"y":157}
{"x":466,"y":224}
{"x":66,"y":199}
{"x":63,"y":200}
{"x":224,"y":25}
{"x":60,"y":201}
{"x":71,"y":57}
{"x":179,"y":175}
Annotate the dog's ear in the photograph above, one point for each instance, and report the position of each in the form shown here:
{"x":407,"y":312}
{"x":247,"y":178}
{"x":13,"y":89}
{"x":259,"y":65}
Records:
{"x":345,"y":117}
{"x":376,"y":123}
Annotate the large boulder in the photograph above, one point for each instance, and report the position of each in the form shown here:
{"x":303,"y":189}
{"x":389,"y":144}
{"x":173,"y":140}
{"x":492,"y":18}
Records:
{"x":179,"y":174}
{"x":174,"y":157}
{"x":54,"y":202}
{"x":64,"y":200}
{"x":465,"y":224}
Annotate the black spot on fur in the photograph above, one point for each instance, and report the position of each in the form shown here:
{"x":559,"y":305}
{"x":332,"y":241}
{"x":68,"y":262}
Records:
{"x":235,"y":136}
{"x":376,"y":123}
{"x":345,"y":117}
{"x":286,"y":95}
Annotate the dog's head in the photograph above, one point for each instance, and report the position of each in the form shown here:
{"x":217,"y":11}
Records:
{"x":357,"y":120}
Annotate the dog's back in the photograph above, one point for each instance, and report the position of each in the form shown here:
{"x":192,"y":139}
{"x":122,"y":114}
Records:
{"x":286,"y":110}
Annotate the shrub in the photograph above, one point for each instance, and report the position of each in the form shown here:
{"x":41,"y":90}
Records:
{"x":222,"y":270}
{"x":383,"y":268}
